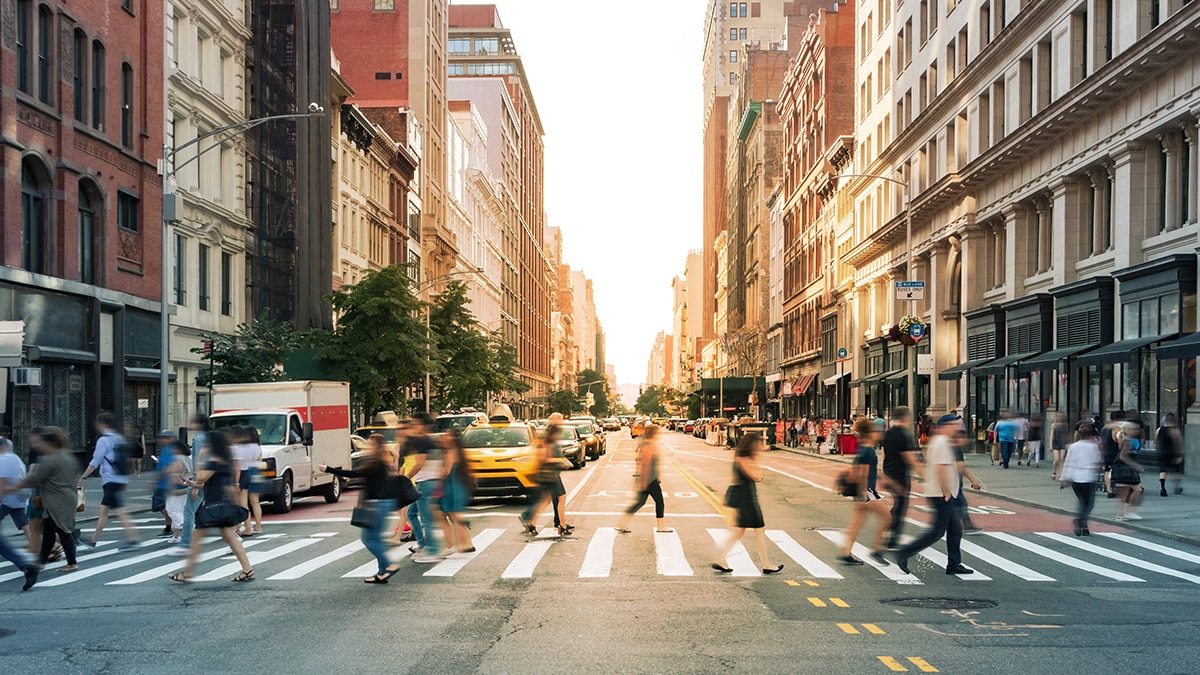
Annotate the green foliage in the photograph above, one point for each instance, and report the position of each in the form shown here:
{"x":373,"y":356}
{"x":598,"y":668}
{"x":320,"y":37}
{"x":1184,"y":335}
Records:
{"x":250,"y":354}
{"x":653,"y":400}
{"x":562,"y":401}
{"x":379,"y":344}
{"x":599,"y":391}
{"x":467,"y":361}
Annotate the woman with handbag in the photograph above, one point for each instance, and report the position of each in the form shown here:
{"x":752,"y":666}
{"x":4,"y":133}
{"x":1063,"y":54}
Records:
{"x":218,"y":480}
{"x":549,"y":478}
{"x":1126,"y":475}
{"x":376,"y":502}
{"x":861,"y":485}
{"x":55,"y":475}
{"x":458,"y":485}
{"x":1080,"y":469}
{"x":742,"y":497}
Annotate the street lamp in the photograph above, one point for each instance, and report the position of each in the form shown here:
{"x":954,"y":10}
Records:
{"x":169,"y":215}
{"x":424,"y":289}
{"x":589,"y":389}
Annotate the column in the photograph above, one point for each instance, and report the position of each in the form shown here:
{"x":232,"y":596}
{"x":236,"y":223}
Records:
{"x":1067,"y":226}
{"x":943,"y":327}
{"x":1191,"y":136}
{"x":1021,"y":250}
{"x":1130,"y":204}
{"x":976,"y":239}
{"x":1044,"y":234}
{"x":1171,"y":142}
{"x":1098,"y":242}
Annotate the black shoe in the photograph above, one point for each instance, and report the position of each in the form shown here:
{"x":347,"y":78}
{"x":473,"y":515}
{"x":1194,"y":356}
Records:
{"x":166,"y":532}
{"x":902,"y":563}
{"x":721,"y":568}
{"x":31,"y":576}
{"x":850,"y":560}
{"x":959,"y":569}
{"x":879,"y":557}
{"x":774,"y":570}
{"x":1162,"y":492}
{"x":1112,"y":495}
{"x":1179,"y":490}
{"x":1085,"y":532}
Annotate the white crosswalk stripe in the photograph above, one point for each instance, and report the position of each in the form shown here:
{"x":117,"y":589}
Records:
{"x":599,"y":559}
{"x":371,"y":568}
{"x":1150,"y":546}
{"x":527,"y":560}
{"x":668,"y":550}
{"x":79,"y":559}
{"x":256,"y":558}
{"x":320,"y":561}
{"x":807,"y":560}
{"x":976,"y":551}
{"x":162,"y":571}
{"x":1061,"y":557}
{"x":454,"y":563}
{"x":739,"y":557}
{"x":1120,"y":557}
{"x":864,"y":554}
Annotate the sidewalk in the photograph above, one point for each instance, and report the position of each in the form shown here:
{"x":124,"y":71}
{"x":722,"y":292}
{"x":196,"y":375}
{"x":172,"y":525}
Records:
{"x":1175,"y":517}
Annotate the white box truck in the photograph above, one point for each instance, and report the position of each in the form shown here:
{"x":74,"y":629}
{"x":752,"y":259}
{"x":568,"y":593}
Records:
{"x":300,"y":425}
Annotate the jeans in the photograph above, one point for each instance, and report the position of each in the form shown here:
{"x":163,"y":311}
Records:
{"x":899,"y":509}
{"x":189,"y":518}
{"x":945,"y":522}
{"x":11,"y":554}
{"x":372,"y":537}
{"x":1006,"y":451}
{"x":1086,"y":494}
{"x":420,"y":516}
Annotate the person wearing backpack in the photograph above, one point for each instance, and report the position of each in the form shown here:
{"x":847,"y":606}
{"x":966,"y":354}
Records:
{"x":112,"y":461}
{"x":14,"y":503}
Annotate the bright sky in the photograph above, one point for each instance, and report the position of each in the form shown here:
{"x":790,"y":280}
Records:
{"x":618,"y":87}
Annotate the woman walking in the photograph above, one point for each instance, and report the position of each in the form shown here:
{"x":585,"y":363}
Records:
{"x":866,"y":500}
{"x":1170,"y":455}
{"x":1060,"y":438}
{"x":1126,"y":473}
{"x":457,"y":489}
{"x":249,"y":455}
{"x":647,"y":483}
{"x":177,"y":473}
{"x":1081,"y":469}
{"x":742,"y":496}
{"x":379,"y":496}
{"x":56,"y":476}
{"x":219,"y":482}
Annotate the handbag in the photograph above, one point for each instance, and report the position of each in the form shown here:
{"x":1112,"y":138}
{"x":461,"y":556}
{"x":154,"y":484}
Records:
{"x":79,"y":500}
{"x":732,"y":496}
{"x":1124,"y":474}
{"x":367,"y":514}
{"x":402,"y":490}
{"x":222,"y":513}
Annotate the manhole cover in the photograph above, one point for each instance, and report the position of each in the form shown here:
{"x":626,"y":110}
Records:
{"x":5,"y":632}
{"x":941,"y":603}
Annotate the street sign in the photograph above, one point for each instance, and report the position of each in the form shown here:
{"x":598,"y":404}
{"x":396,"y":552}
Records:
{"x":910,"y":290}
{"x":843,"y":354}
{"x":916,"y":331}
{"x":925,"y":364}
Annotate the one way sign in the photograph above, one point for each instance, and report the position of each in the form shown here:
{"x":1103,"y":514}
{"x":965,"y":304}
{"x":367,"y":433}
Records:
{"x":910,"y":290}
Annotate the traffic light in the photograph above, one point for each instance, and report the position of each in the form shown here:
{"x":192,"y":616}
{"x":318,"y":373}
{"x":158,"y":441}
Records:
{"x":639,"y":390}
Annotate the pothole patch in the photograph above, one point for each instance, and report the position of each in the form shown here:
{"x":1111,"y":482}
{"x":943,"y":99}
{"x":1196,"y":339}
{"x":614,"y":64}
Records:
{"x":5,"y":632}
{"x":941,"y":603}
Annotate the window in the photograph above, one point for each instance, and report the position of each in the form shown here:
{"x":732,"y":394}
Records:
{"x":33,"y":219}
{"x":79,"y":85}
{"x":383,"y":76}
{"x":733,"y":56}
{"x":385,"y":5}
{"x":732,"y":78}
{"x":733,"y":34}
{"x":458,"y":45}
{"x":742,"y":10}
{"x":733,"y":10}
{"x":126,"y":105}
{"x":127,"y":211}
{"x":127,"y":5}
{"x":87,"y":236}
{"x":180,"y":271}
{"x":202,"y":276}
{"x":226,"y":282}
{"x":487,"y":45}
{"x":742,"y":34}
{"x":24,"y":33}
{"x":45,"y":47}
{"x":97,"y":85}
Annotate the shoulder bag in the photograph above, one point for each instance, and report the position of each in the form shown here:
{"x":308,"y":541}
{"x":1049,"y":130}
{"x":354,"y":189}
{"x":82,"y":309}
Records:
{"x":367,"y":514}
{"x":221,"y":513}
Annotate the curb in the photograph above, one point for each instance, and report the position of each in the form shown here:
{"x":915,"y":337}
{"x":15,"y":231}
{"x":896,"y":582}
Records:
{"x":1137,"y":527}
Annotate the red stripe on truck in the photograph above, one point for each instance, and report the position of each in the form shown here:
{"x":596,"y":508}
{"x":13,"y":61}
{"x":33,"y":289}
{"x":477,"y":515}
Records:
{"x":324,"y":417}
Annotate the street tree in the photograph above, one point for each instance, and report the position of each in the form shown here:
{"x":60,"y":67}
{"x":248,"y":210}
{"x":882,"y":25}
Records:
{"x":562,"y":401}
{"x":468,"y":361}
{"x":652,"y":401}
{"x":251,"y":353}
{"x":378,"y":344}
{"x":600,"y":391}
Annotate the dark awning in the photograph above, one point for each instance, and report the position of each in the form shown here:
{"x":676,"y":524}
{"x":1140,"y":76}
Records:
{"x":1119,"y":352}
{"x":1050,"y":360}
{"x":955,"y":372}
{"x":997,"y":366}
{"x":1186,"y":347}
{"x":858,"y":382}
{"x":883,"y":377}
{"x":901,"y":374}
{"x":145,"y":374}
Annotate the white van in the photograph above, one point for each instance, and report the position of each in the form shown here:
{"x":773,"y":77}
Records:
{"x":300,"y":425}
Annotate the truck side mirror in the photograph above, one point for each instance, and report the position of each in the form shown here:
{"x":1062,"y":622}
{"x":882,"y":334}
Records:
{"x":307,"y":430}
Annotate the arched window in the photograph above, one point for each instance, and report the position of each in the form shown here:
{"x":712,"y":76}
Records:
{"x":89,"y":203}
{"x":33,"y":219}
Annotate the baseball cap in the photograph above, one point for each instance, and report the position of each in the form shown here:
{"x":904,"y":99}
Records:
{"x":166,"y":433}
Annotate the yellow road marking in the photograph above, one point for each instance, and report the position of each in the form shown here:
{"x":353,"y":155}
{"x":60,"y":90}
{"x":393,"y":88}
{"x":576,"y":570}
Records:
{"x":817,"y":602}
{"x":702,"y":490}
{"x":810,"y":582}
{"x":789,"y":582}
{"x":873,"y":629}
{"x":848,"y":629}
{"x":893,"y":664}
{"x":922,"y":664}
{"x":839,"y":602}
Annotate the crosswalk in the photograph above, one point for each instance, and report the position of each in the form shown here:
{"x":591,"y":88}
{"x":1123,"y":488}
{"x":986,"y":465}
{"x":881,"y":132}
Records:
{"x":603,"y":553}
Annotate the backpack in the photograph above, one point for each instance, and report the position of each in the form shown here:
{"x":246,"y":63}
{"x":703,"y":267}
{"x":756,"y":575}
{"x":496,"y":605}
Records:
{"x":119,"y":458}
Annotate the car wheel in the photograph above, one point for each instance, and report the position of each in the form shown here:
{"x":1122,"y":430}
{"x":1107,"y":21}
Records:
{"x":333,"y":491}
{"x":283,"y":501}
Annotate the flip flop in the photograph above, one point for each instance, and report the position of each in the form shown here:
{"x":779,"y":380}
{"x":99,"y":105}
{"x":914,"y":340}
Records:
{"x":180,"y":577}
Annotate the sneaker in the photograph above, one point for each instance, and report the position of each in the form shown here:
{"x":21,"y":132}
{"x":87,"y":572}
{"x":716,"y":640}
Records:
{"x":850,"y":560}
{"x":178,"y":552}
{"x":1162,"y":492}
{"x":972,"y":531}
{"x":425,"y":559}
{"x":1132,"y":516}
{"x":166,"y":532}
{"x":129,"y":545}
{"x":1121,"y":518}
{"x":174,"y":541}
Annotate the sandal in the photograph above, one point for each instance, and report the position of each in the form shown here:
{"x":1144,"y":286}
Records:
{"x":244,"y":576}
{"x":622,"y":530}
{"x":180,"y":577}
{"x":377,"y":579}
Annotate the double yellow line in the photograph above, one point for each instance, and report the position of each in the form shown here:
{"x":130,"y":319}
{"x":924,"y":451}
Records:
{"x":702,"y":489}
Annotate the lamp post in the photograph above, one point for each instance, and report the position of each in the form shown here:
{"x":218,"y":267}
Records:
{"x":169,"y":215}
{"x":589,"y":388}
{"x":424,"y":290}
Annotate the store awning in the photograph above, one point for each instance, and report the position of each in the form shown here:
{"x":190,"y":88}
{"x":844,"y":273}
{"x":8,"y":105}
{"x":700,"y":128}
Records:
{"x":955,"y":372}
{"x":1120,"y":352}
{"x":895,"y":375}
{"x":858,"y":382}
{"x":832,"y":381}
{"x":998,"y":366}
{"x":1186,"y":347}
{"x":1050,"y":360}
{"x":804,"y":383}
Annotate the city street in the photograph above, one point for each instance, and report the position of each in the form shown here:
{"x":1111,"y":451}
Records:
{"x":599,"y":601}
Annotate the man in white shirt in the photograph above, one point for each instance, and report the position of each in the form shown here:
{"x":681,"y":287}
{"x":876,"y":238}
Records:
{"x":942,"y":485}
{"x":12,"y":471}
{"x":113,"y":481}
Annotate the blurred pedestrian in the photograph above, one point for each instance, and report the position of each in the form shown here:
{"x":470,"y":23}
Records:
{"x":1033,"y":442}
{"x":1126,"y":471}
{"x":1080,"y":469}
{"x":899,"y":465}
{"x":166,"y":446}
{"x":742,"y":497}
{"x":379,"y":497}
{"x":1022,"y":436}
{"x":135,"y":442}
{"x":177,"y":473}
{"x":198,"y":424}
{"x":863,"y":476}
{"x":56,"y":475}
{"x":113,"y":480}
{"x":13,"y":503}
{"x":1060,"y":439}
{"x":34,"y":512}
{"x":1170,"y":454}
{"x":249,"y":455}
{"x":958,"y":440}
{"x":943,"y":483}
{"x":458,"y":486}
{"x":1007,"y":429}
{"x":1110,"y":447}
{"x":217,"y":479}
{"x":648,"y":482}
{"x":426,"y":473}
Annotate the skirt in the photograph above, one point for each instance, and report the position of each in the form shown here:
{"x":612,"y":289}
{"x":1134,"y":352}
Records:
{"x":454,"y":496}
{"x":744,"y":501}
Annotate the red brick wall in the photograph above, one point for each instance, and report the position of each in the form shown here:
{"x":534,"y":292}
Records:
{"x":367,"y":42}
{"x":473,"y":16}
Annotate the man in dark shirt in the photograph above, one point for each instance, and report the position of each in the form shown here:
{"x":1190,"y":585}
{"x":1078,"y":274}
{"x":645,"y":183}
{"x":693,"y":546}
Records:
{"x":899,"y":462}
{"x":1109,"y":448}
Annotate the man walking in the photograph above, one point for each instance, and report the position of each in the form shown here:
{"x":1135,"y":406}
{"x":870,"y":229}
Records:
{"x":198,"y":425}
{"x":964,"y":474}
{"x":942,"y":488}
{"x":12,"y":471}
{"x":899,"y":463}
{"x":425,"y":473}
{"x":113,"y":469}
{"x":1006,"y":436}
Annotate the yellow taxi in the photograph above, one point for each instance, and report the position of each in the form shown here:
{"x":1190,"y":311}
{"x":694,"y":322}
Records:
{"x":637,"y":427}
{"x":502,"y":455}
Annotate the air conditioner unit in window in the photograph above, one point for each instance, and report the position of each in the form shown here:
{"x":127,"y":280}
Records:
{"x":27,"y":377}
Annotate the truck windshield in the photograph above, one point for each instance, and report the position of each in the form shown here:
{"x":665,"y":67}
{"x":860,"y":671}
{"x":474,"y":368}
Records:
{"x":270,"y":428}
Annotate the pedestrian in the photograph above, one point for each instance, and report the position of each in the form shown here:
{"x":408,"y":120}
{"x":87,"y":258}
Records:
{"x":899,"y":464}
{"x":993,"y":445}
{"x":942,"y":486}
{"x":13,"y":503}
{"x":963,"y":510}
{"x":177,"y":474}
{"x":167,"y":446}
{"x":114,"y":480}
{"x":248,"y":454}
{"x":1021,"y":436}
{"x":136,"y":443}
{"x":1170,"y":455}
{"x":56,"y":475}
{"x":1033,"y":442}
{"x":742,"y":497}
{"x":34,"y":512}
{"x":1007,"y":429}
{"x":198,"y":425}
{"x":1080,"y":469}
{"x":1060,"y":438}
{"x":425,"y":473}
{"x":648,"y":482}
{"x":1126,"y":471}
{"x":217,"y":479}
{"x":379,"y":497}
{"x":862,"y":477}
{"x":458,"y":486}
{"x":554,"y":491}
{"x":405,"y":451}
{"x":1110,"y":447}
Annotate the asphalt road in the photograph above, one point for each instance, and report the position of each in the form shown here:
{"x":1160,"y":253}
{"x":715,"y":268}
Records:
{"x":638,"y":603}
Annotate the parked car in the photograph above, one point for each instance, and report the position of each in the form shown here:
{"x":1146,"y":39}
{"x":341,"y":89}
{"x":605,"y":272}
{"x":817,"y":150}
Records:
{"x":689,"y":426}
{"x":700,"y":428}
{"x":590,"y":436}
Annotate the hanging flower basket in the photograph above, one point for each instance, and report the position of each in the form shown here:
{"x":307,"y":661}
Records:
{"x":903,"y":328}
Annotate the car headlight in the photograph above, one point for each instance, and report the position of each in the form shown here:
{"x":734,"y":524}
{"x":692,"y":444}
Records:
{"x":524,"y":459}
